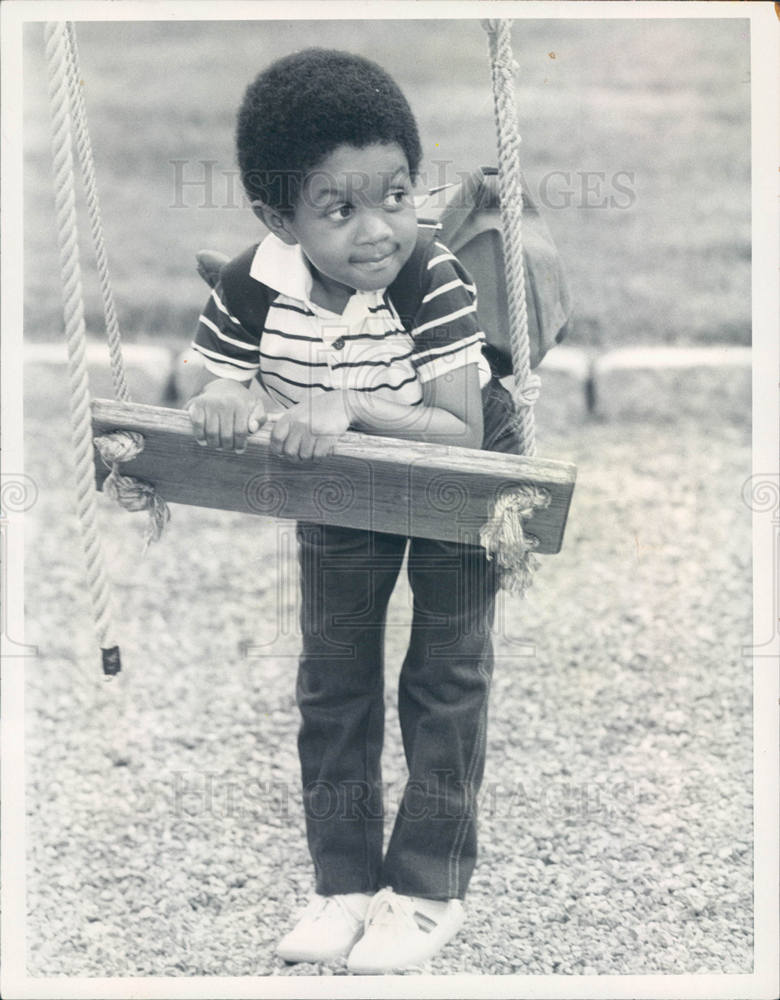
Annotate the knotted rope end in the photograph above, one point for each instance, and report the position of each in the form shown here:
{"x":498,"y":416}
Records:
{"x":505,"y":540}
{"x":526,"y":392}
{"x":112,"y":661}
{"x":129,"y":492}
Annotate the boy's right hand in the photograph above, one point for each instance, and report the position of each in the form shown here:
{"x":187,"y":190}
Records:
{"x":224,"y":413}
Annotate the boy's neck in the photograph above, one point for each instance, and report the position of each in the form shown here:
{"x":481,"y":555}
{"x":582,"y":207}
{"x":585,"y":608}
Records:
{"x":328,"y":294}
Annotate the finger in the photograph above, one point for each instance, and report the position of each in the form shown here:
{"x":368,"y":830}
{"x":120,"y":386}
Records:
{"x":323,"y":446}
{"x":226,"y":427}
{"x":212,"y":428}
{"x":306,"y":447}
{"x":278,"y":434}
{"x":257,"y":418}
{"x":198,"y":420}
{"x":239,"y":433}
{"x":318,"y":451}
{"x":292,"y":442}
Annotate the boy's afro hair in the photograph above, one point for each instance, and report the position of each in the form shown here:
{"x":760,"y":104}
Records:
{"x":303,"y":106}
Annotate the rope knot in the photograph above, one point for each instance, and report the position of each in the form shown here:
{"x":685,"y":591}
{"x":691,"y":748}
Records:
{"x":527,"y":392}
{"x":505,"y":540}
{"x":131,"y":493}
{"x":119,"y":446}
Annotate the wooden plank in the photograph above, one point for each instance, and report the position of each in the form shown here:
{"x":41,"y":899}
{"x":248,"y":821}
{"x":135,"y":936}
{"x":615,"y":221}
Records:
{"x":370,"y":482}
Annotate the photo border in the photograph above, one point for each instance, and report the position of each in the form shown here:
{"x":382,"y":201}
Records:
{"x":766,"y":362}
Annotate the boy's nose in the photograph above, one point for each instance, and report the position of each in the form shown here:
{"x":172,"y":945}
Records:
{"x":374,"y":229}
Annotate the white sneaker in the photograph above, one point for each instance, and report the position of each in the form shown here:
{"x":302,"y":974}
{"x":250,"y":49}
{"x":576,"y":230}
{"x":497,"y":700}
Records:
{"x":326,"y":929}
{"x":402,"y":931}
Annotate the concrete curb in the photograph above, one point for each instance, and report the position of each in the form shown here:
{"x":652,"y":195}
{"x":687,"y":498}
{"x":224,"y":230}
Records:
{"x":722,"y":355}
{"x":665,"y":383}
{"x":564,"y":398}
{"x":571,"y":361}
{"x":636,"y":383}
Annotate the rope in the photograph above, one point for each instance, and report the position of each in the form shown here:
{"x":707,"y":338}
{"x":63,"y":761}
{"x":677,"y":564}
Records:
{"x":87,"y":162}
{"x":503,"y":536}
{"x":132,"y":494}
{"x":503,"y":68}
{"x":75,"y":337}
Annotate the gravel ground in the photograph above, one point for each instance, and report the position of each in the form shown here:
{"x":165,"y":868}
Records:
{"x":165,"y":835}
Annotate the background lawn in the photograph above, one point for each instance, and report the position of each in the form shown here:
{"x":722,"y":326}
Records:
{"x":636,"y":136}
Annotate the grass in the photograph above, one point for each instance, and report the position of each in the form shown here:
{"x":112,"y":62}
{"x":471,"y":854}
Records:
{"x":655,"y":113}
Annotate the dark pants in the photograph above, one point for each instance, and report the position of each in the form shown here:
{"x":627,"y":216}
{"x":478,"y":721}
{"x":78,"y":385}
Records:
{"x":347,"y":577}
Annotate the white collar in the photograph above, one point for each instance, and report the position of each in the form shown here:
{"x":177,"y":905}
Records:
{"x":282,"y":267}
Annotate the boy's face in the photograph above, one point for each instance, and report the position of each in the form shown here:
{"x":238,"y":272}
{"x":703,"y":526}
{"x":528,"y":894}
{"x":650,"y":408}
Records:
{"x":355,"y":219}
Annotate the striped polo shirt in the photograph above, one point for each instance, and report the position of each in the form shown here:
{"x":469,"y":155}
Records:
{"x":305,"y":348}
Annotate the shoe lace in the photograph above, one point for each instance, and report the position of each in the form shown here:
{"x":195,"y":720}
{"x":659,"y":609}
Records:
{"x":321,"y":905}
{"x":387,"y":910}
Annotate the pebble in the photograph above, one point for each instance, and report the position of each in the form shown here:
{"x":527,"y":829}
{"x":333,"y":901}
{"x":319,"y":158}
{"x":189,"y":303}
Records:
{"x":697,"y":900}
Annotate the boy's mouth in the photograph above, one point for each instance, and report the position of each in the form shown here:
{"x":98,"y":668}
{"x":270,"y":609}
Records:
{"x":375,"y":262}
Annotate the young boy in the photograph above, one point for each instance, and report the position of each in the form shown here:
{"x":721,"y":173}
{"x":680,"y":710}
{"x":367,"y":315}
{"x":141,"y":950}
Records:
{"x":329,"y":155}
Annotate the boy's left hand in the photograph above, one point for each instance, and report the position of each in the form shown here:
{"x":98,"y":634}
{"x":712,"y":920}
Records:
{"x":310,"y":430}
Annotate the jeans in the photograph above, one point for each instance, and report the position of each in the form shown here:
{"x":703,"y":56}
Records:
{"x":347,"y":577}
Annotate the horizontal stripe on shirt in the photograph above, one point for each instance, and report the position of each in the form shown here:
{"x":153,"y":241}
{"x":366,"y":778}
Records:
{"x":292,"y":308}
{"x":443,"y":320}
{"x":293,"y":361}
{"x":242,"y":345}
{"x":438,"y":352}
{"x":222,"y":308}
{"x":380,"y":361}
{"x":224,"y":360}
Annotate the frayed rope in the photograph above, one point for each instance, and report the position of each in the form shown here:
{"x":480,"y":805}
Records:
{"x":504,"y":539}
{"x":132,"y":494}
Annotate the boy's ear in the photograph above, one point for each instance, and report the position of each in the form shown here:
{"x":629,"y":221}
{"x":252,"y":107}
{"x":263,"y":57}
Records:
{"x":275,"y":221}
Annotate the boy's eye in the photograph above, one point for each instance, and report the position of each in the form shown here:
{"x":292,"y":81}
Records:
{"x":396,"y":198}
{"x":340,"y":212}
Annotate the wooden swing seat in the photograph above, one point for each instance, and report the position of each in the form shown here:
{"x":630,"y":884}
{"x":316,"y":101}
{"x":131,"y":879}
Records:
{"x":373,"y":483}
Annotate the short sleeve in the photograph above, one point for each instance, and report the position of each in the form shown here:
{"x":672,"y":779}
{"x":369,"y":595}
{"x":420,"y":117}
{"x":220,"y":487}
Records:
{"x":446,"y":330}
{"x":227,"y":348}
